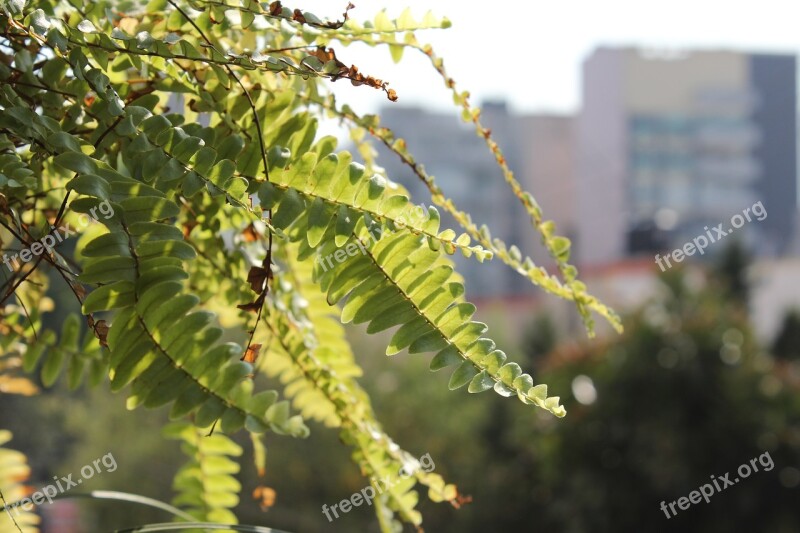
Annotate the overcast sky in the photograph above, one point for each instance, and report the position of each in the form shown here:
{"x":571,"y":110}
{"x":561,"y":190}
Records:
{"x":531,"y":52}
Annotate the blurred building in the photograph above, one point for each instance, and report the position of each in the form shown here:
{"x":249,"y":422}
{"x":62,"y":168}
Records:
{"x":666,"y":146}
{"x":669,"y":143}
{"x":539,"y":148}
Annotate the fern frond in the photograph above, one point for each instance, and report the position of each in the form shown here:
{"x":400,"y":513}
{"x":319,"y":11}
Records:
{"x":159,"y":344}
{"x":206,"y":485}
{"x":401,"y":281}
{"x":81,"y":360}
{"x":335,"y":187}
{"x":310,"y":354}
{"x":161,"y":48}
{"x":573,"y":289}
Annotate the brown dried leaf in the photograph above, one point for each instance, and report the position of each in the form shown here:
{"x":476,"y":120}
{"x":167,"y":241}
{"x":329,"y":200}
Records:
{"x":101,"y":332}
{"x":188,"y":226}
{"x":254,"y":307}
{"x":251,"y":355}
{"x":250,"y":234}
{"x":257,"y":278}
{"x":461,"y":500}
{"x":298,"y":16}
{"x":265,"y":496}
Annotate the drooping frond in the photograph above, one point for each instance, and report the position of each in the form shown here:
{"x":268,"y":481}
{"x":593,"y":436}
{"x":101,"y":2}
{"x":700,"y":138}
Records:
{"x":401,"y":281}
{"x":81,"y":360}
{"x":573,"y":289}
{"x":384,"y":31}
{"x":160,"y":344}
{"x":308,"y":351}
{"x":206,"y":485}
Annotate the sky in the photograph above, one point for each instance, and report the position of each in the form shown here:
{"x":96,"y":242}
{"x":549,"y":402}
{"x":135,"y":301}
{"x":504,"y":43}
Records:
{"x":530,"y":52}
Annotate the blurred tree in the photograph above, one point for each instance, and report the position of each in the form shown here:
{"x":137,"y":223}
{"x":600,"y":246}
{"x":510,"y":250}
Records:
{"x":539,"y":339}
{"x":787,"y":342}
{"x":731,"y":266}
{"x":685,"y":394}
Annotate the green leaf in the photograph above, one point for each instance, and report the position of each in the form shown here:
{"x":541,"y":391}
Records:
{"x":75,"y":372}
{"x":247,"y":19}
{"x":107,"y":245}
{"x":463,"y":375}
{"x":397,"y":52}
{"x":509,"y":372}
{"x":260,"y":402}
{"x":64,"y":141}
{"x":86,"y":26}
{"x":90,"y":185}
{"x":429,"y":342}
{"x":189,"y":400}
{"x":148,"y":209}
{"x":345,"y":223}
{"x":538,"y":392}
{"x":209,"y":412}
{"x":455,"y":317}
{"x":560,"y":247}
{"x":230,"y":148}
{"x":187,"y":148}
{"x":319,"y":216}
{"x":407,"y":334}
{"x":232,"y":374}
{"x":232,"y":421}
{"x":52,"y":366}
{"x":278,"y":413}
{"x":69,"y":333}
{"x":236,"y":188}
{"x":383,"y":23}
{"x":165,"y":315}
{"x":39,"y":22}
{"x":167,"y":390}
{"x":290,"y":208}
{"x":76,"y":162}
{"x":35,"y":352}
{"x":113,"y":296}
{"x":447,"y":357}
{"x":155,"y":125}
{"x":481,"y":382}
{"x":493,"y":361}
{"x":503,"y":390}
